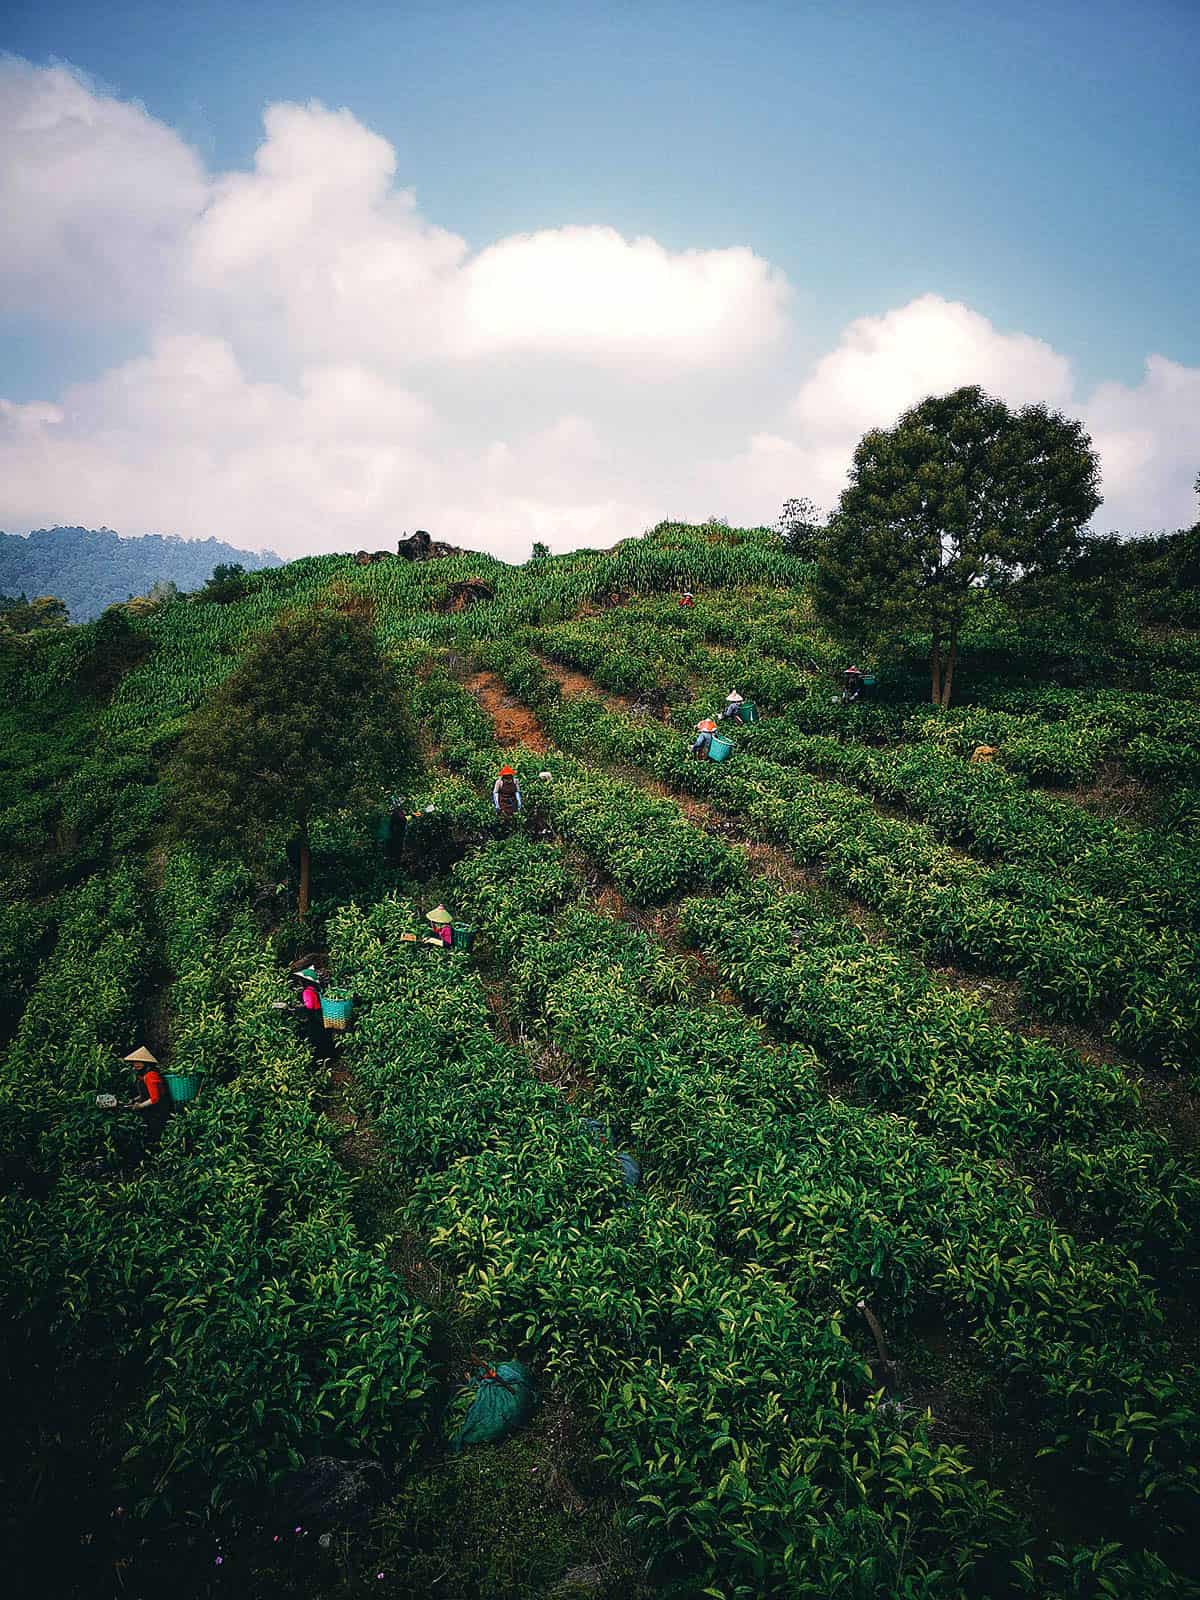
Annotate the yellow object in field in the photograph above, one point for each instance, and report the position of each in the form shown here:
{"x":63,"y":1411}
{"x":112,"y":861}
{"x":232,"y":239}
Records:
{"x":984,"y":752}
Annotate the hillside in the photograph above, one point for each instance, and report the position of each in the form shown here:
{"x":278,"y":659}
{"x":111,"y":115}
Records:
{"x":893,"y":1290}
{"x":90,"y":568}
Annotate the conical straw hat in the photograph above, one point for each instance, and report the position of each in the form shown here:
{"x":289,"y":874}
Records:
{"x":141,"y":1054}
{"x":439,"y":914}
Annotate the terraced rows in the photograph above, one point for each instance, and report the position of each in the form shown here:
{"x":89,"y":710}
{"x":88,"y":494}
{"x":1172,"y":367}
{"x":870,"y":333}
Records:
{"x":1077,"y":957}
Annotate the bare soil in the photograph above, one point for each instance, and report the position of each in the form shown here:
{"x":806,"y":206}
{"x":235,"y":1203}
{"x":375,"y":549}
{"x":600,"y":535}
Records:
{"x":515,"y":724}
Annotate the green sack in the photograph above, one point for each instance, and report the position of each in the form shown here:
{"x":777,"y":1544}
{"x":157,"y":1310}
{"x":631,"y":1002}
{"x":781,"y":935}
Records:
{"x":503,"y":1401}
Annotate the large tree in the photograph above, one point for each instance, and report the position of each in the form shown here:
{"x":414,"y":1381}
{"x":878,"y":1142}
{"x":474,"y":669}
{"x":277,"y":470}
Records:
{"x":961,"y":495}
{"x":312,"y":721}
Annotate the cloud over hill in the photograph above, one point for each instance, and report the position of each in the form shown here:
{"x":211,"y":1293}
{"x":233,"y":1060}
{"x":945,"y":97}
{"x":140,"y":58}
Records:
{"x":320,"y":366}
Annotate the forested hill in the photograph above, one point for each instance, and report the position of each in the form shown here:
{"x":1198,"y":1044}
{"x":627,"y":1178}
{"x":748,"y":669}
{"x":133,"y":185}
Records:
{"x":90,"y":568}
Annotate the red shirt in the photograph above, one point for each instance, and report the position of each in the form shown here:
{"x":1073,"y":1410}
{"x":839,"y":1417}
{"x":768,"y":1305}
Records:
{"x":155,"y":1086}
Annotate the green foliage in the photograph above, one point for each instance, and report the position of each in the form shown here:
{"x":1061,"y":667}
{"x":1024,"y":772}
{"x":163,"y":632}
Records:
{"x":961,"y":493}
{"x":312,"y":721}
{"x":801,"y":528}
{"x":20,"y":616}
{"x":225,"y":585}
{"x":193,"y":1319}
{"x":94,"y":568}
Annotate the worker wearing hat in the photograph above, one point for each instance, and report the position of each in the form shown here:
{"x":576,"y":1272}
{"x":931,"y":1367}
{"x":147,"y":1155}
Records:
{"x":705,"y":729}
{"x":853,"y":684}
{"x":506,"y":793}
{"x":155,"y":1104}
{"x":439,"y":920}
{"x":321,"y":1038}
{"x":733,"y":707}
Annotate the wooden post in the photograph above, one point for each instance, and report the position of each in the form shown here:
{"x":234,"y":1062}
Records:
{"x":305,"y":872}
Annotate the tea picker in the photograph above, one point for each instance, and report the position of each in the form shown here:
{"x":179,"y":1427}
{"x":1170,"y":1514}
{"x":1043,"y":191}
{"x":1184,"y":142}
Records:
{"x":154,"y":1106}
{"x":705,"y":729}
{"x":309,"y":1010}
{"x":733,"y":707}
{"x":506,"y":793}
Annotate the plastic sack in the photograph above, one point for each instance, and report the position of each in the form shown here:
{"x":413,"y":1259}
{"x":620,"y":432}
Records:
{"x":630,"y":1170}
{"x":504,"y":1400}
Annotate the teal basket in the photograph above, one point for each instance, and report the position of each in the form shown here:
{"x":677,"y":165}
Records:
{"x":461,"y":938}
{"x":182,"y":1086}
{"x":749,"y":711}
{"x":719,"y":749}
{"x":383,"y":827}
{"x":337,"y":1008}
{"x":869,"y":680}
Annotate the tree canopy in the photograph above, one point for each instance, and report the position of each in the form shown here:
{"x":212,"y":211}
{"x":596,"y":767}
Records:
{"x":801,"y":528}
{"x":19,"y":615}
{"x":961,"y":495}
{"x":312,"y":721}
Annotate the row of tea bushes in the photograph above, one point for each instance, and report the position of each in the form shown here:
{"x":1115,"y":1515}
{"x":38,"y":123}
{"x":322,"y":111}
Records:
{"x":743,"y":1426}
{"x":1077,"y":958}
{"x":838,"y":1201}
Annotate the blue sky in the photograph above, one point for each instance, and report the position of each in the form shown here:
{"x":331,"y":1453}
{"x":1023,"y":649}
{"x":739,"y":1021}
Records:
{"x":1033,"y":163}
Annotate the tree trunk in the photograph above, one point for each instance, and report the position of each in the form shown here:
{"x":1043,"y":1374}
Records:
{"x":305,"y":872}
{"x":935,"y":669}
{"x":948,"y":677}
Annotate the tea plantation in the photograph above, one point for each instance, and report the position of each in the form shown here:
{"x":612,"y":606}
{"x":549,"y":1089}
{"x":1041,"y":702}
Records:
{"x":902,"y":1298}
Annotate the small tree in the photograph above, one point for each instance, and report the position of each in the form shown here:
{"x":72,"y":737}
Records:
{"x":32,"y":616}
{"x":540,"y":550}
{"x":226,"y":583}
{"x":801,"y":528}
{"x":311,"y":722}
{"x":961,"y":495}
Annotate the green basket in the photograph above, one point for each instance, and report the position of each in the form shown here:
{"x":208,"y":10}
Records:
{"x":749,"y":711}
{"x":337,"y":1007}
{"x":182,"y":1086}
{"x":461,"y":938}
{"x":719,"y":749}
{"x":869,"y":680}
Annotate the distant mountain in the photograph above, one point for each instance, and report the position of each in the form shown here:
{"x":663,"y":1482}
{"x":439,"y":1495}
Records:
{"x":92,"y":568}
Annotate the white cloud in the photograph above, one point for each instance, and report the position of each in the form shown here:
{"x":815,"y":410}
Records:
{"x":885,"y":364}
{"x":589,"y":291}
{"x":325,"y":367}
{"x":1149,"y":442}
{"x":97,"y":198}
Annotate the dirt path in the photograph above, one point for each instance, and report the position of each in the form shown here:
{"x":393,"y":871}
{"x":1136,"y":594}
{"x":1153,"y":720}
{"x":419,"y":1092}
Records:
{"x":514,"y":723}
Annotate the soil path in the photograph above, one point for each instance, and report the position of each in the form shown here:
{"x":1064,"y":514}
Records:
{"x":514,"y":723}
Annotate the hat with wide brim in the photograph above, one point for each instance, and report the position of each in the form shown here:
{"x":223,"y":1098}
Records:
{"x":309,"y":973}
{"x":508,"y":772}
{"x":439,"y":914}
{"x":141,"y":1055}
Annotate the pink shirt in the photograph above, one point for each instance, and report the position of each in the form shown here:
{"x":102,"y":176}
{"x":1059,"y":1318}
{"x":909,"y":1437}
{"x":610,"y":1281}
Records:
{"x":311,"y":998}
